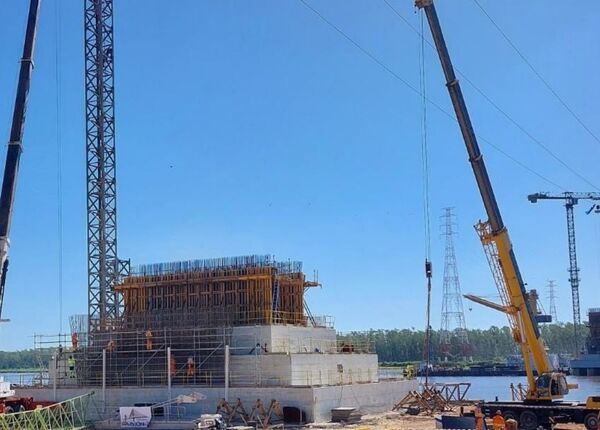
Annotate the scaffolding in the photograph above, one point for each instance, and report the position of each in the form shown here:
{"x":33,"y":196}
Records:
{"x":178,"y":318}
{"x":189,"y":357}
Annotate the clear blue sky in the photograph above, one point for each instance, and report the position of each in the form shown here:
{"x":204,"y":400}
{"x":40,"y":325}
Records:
{"x":254,"y":127}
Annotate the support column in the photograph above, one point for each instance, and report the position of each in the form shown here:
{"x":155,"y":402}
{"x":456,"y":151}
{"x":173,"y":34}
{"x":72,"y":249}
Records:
{"x":226,"y":395}
{"x":103,"y":380}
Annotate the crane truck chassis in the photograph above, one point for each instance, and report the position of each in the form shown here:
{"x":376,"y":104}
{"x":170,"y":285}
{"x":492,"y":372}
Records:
{"x":530,"y":415}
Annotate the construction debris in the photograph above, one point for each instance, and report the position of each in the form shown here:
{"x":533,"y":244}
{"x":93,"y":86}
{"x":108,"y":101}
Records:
{"x":428,"y":402}
{"x":259,"y":416}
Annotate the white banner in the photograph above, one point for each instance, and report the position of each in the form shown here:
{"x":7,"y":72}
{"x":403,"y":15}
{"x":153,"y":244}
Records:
{"x":135,"y":417}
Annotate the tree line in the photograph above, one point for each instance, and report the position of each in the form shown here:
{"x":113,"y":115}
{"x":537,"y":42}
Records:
{"x":24,"y":360}
{"x":392,"y":346}
{"x":492,"y":344}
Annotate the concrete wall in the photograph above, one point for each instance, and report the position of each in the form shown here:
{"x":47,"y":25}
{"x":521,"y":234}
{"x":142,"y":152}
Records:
{"x":283,"y":339}
{"x":302,"y":369}
{"x":333,"y":369}
{"x":317,"y":402}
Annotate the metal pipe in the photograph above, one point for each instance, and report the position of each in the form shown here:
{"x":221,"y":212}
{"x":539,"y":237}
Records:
{"x":226,"y":394}
{"x":169,"y":380}
{"x":104,"y":380}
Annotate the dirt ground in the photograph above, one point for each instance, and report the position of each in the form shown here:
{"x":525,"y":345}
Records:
{"x":400,"y":421}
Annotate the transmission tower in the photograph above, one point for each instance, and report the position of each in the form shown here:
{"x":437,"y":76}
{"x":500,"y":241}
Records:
{"x":453,"y":316}
{"x":104,"y":267}
{"x":552,"y":301}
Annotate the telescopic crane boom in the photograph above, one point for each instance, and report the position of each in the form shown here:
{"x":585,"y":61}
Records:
{"x":496,"y":241}
{"x":15,"y":143}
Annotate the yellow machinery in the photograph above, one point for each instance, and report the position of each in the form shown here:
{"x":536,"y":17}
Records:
{"x":539,"y":405}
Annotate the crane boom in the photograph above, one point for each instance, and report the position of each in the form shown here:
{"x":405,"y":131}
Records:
{"x":494,"y":235}
{"x":15,"y":143}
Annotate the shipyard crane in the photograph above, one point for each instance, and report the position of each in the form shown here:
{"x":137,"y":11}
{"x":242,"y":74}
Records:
{"x":570,"y":199}
{"x":15,"y":143}
{"x":548,"y":384}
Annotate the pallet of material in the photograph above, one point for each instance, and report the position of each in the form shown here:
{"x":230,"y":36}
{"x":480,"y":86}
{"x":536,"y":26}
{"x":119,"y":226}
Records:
{"x":345,"y":414}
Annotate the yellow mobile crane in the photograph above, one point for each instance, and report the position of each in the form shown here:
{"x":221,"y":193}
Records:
{"x":540,"y":405}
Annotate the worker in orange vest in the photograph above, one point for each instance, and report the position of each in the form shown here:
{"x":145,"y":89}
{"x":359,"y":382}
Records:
{"x":173,"y":365}
{"x":74,"y":341}
{"x":479,"y":419}
{"x":498,"y":421}
{"x":149,"y":344}
{"x":190,"y":367}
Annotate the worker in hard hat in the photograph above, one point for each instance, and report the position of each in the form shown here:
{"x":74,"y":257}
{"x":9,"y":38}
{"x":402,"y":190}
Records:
{"x":149,"y":343}
{"x":173,"y":364}
{"x":498,"y":421}
{"x":71,"y":366}
{"x":190,"y":370}
{"x":74,"y":341}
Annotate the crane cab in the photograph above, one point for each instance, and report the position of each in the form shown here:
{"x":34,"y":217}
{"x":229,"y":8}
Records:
{"x":551,"y":385}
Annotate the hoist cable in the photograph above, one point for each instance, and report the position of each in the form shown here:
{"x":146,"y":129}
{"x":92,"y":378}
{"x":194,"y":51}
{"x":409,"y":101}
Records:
{"x":430,"y":101}
{"x":538,"y":74}
{"x":518,"y":125}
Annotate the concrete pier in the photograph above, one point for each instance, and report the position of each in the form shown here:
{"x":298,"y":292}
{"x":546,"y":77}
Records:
{"x":315,"y":401}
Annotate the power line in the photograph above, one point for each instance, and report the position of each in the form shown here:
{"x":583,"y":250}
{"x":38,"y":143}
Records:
{"x":522,"y":128}
{"x":416,"y":91}
{"x":538,"y":74}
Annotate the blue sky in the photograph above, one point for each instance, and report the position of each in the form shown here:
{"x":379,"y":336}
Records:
{"x":254,"y":127}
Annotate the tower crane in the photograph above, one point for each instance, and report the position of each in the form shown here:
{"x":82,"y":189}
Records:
{"x":15,"y":143}
{"x":571,"y":199}
{"x":539,"y":403}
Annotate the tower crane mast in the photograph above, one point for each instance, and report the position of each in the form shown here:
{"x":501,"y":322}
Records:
{"x":15,"y":143}
{"x":570,"y":199}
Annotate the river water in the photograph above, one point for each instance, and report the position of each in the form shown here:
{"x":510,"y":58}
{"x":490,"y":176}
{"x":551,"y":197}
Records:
{"x":490,"y":387}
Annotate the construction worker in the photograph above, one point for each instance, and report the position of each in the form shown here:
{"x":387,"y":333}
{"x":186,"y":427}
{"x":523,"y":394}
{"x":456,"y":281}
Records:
{"x":74,"y":341}
{"x":498,"y":421}
{"x":71,"y":366}
{"x":173,"y":368}
{"x":190,"y":367}
{"x":479,"y":419}
{"x":149,"y":344}
{"x":110,"y":346}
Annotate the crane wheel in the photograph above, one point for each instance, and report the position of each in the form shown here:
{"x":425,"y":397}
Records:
{"x":20,"y":408}
{"x":9,"y":410}
{"x":528,"y":420}
{"x":591,"y":421}
{"x":510,"y":415}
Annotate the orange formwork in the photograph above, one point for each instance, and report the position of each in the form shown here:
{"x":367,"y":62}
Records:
{"x":235,"y":295}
